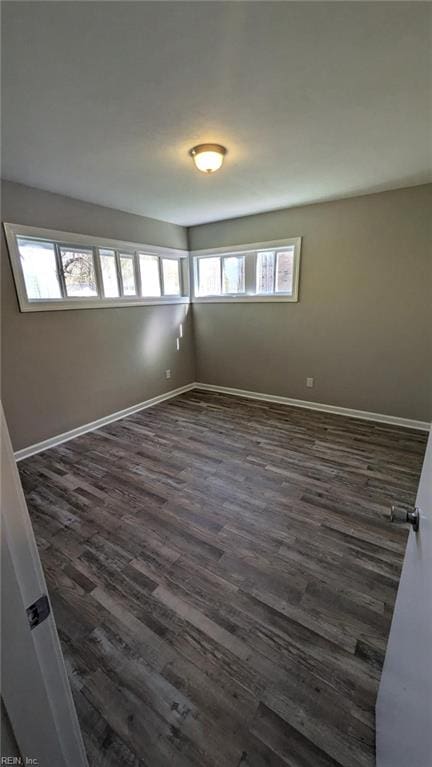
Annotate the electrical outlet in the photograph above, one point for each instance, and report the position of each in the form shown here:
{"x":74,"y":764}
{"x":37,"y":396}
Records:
{"x":168,"y":373}
{"x":309,"y":383}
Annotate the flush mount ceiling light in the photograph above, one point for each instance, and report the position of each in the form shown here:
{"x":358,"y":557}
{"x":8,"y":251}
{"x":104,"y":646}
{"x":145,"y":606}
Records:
{"x":208,"y":157}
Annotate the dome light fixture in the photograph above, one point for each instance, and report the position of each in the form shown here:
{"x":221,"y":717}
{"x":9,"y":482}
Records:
{"x":208,"y":157}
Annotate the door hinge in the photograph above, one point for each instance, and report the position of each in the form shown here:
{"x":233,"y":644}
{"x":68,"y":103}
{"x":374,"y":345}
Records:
{"x":38,"y":611}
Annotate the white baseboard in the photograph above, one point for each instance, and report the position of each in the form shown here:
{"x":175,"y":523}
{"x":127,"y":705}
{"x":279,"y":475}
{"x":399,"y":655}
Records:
{"x":363,"y":414}
{"x":26,"y":452}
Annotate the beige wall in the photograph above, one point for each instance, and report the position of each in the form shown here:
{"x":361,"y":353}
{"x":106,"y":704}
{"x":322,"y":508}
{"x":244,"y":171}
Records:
{"x":363,"y":325}
{"x":63,"y":369}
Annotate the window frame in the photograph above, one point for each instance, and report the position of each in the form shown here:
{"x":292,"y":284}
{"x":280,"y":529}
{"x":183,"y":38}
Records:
{"x":73,"y":240}
{"x":250,"y":251}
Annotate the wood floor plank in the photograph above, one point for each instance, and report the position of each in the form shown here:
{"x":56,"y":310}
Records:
{"x":292,"y":748}
{"x":223,"y":574}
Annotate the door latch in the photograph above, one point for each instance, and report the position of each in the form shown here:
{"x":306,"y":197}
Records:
{"x":38,"y":611}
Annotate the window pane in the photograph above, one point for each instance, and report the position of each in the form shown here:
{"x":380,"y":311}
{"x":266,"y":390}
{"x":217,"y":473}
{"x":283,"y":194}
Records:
{"x":128,"y":275}
{"x":209,"y":276}
{"x":38,"y":263}
{"x":284,"y":271}
{"x":79,"y":272}
{"x":233,"y":278}
{"x":109,"y":273}
{"x":171,"y":277}
{"x":149,"y":269}
{"x":265,"y":271}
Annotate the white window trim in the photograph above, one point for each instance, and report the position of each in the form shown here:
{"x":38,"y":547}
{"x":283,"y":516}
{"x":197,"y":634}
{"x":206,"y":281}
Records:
{"x":236,"y":250}
{"x":12,"y":231}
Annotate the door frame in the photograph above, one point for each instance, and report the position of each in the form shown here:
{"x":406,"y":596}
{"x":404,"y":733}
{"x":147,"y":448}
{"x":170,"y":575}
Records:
{"x":35,"y":686}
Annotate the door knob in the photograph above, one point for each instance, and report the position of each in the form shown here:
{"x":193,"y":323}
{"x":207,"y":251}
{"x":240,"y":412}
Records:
{"x":413,"y":517}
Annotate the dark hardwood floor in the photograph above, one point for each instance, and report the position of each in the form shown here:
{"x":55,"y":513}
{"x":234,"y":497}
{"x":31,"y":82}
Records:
{"x":223,"y":574}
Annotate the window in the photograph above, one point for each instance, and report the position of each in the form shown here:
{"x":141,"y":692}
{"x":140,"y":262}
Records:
{"x":209,"y":276}
{"x":258,"y":272}
{"x":108,"y":264}
{"x":58,"y":270}
{"x":233,"y":276}
{"x":38,"y":263}
{"x":78,"y":272}
{"x":220,"y":275}
{"x":275,"y":280}
{"x":265,"y":271}
{"x":150,"y":277}
{"x":284,"y":271}
{"x":127,"y":269}
{"x":171,"y":277}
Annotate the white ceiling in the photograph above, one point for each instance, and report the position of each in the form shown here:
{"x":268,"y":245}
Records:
{"x":102,"y":101}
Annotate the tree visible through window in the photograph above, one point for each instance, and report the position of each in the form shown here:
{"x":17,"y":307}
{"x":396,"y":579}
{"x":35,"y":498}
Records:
{"x":265,"y":271}
{"x":79,"y":272}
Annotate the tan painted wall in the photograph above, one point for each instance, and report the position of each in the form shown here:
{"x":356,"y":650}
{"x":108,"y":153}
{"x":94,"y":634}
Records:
{"x":363,"y":325}
{"x":63,"y":369}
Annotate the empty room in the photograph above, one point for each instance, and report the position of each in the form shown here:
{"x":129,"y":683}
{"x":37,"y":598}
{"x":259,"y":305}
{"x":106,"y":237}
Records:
{"x":216,"y":384}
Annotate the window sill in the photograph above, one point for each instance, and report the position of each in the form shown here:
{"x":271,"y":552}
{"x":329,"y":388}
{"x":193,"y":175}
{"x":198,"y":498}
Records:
{"x":45,"y":306}
{"x":256,"y":299}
